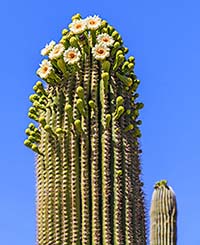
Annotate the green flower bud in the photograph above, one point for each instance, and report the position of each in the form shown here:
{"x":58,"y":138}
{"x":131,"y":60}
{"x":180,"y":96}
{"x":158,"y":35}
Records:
{"x":73,"y":42}
{"x":61,"y":64}
{"x":139,"y":122}
{"x":78,"y":127}
{"x":115,"y":34}
{"x":119,"y":112}
{"x":119,"y":172}
{"x":76,"y":17}
{"x":33,"y":116}
{"x":139,"y":106}
{"x":42,"y":121}
{"x":48,"y":129}
{"x":33,"y":97}
{"x":104,"y":23}
{"x":125,"y":50}
{"x":105,"y":76}
{"x":59,"y":130}
{"x":131,"y":59}
{"x":80,"y":106}
{"x":128,"y":112}
{"x":108,"y":120}
{"x":27,"y":143}
{"x":116,"y":46}
{"x":80,"y":92}
{"x":34,"y":147}
{"x":119,"y":101}
{"x":64,"y":32}
{"x":28,"y":131}
{"x":129,"y":127}
{"x":106,"y":65}
{"x":31,"y":126}
{"x":126,"y":80}
{"x":92,"y":104}
{"x":69,"y":111}
{"x":118,"y":61}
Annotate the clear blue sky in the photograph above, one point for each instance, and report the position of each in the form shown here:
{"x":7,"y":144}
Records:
{"x":164,"y":37}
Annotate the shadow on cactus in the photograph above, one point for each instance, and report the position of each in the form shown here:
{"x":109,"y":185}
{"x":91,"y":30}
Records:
{"x":86,"y":139}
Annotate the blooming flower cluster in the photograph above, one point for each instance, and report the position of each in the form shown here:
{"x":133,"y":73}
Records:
{"x":72,"y":55}
{"x":91,"y":23}
{"x":101,"y":50}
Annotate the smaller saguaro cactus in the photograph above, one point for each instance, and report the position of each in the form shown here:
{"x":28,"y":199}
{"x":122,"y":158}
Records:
{"x":163,"y":215}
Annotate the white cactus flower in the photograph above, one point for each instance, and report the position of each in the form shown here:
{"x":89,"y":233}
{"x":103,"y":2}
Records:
{"x":57,"y":51}
{"x":45,"y":69}
{"x":78,"y":26}
{"x":105,"y":39}
{"x":71,"y":55}
{"x":93,"y":22}
{"x":100,"y":51}
{"x":48,"y":47}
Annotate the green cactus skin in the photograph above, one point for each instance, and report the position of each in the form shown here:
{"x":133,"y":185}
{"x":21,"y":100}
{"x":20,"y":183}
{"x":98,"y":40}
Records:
{"x":163,"y":215}
{"x":86,"y":135}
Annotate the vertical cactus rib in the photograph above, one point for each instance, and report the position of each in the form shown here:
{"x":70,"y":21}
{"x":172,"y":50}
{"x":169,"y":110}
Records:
{"x":127,"y":144}
{"x":66,"y":165}
{"x":57,"y":170}
{"x":40,"y":192}
{"x":118,"y":175}
{"x":139,"y":199}
{"x":85,"y":183}
{"x":50,"y":181}
{"x":163,"y":215}
{"x":106,"y":163}
{"x":96,"y":233}
{"x":75,"y":172}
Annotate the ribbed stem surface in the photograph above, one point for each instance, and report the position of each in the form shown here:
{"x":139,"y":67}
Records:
{"x":163,"y":215}
{"x":89,"y":190}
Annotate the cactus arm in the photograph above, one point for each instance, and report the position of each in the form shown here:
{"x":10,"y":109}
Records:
{"x":96,"y":233}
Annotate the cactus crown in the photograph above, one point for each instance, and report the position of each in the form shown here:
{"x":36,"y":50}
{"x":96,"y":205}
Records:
{"x":86,"y":139}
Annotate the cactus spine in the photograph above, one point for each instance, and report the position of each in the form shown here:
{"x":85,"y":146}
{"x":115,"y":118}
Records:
{"x":86,"y":139}
{"x":163,"y":215}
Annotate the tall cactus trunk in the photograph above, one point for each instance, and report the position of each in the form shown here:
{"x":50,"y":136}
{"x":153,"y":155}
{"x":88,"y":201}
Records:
{"x":88,"y":169}
{"x":163,"y":215}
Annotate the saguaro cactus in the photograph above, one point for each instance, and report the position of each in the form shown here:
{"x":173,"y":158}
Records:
{"x":163,"y":215}
{"x":86,"y":139}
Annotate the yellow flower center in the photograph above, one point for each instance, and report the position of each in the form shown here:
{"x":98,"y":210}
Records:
{"x":78,"y":26}
{"x":45,"y":69}
{"x":92,"y":22}
{"x":100,"y":51}
{"x":105,"y":39}
{"x":71,"y":55}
